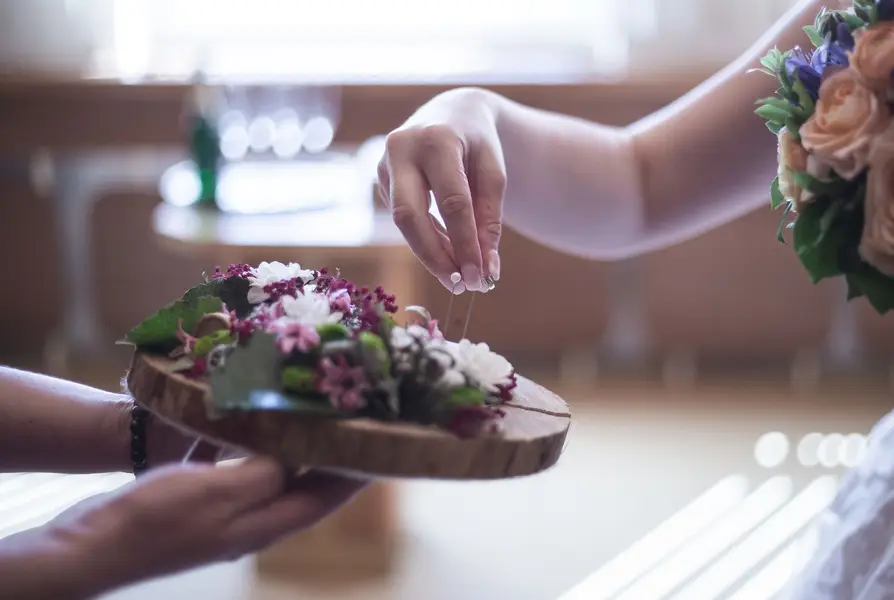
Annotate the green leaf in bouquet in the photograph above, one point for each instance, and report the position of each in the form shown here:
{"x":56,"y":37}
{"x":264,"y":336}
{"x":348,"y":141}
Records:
{"x":332,"y":332}
{"x":776,"y":197}
{"x":159,"y":332}
{"x":815,"y":37}
{"x":818,"y":240}
{"x":793,"y":126}
{"x":232,"y":290}
{"x":773,"y":60}
{"x":251,"y":380}
{"x":832,"y":188}
{"x":878,"y":288}
{"x":374,"y":354}
{"x":805,"y":100}
{"x":299,"y":379}
{"x":864,"y":14}
{"x":206,"y":344}
{"x":774,"y":128}
{"x":774,"y":114}
{"x":467,"y":396}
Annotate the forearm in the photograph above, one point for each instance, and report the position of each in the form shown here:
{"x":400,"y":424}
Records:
{"x":35,"y":568}
{"x":610,"y":193}
{"x":49,"y":424}
{"x":53,"y":425}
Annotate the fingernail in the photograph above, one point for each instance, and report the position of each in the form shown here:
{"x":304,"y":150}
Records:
{"x":471,"y":277}
{"x":493,"y":264}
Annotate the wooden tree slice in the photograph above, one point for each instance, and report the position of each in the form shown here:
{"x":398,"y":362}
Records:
{"x":531,"y":439}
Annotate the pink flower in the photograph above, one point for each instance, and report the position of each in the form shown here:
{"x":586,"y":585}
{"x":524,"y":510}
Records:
{"x":433,"y":330}
{"x":344,"y":384}
{"x":340,"y":301}
{"x":294,"y":335}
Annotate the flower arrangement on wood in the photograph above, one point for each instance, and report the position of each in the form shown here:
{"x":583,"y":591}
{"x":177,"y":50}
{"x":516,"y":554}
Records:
{"x":832,"y":116}
{"x":277,"y":337}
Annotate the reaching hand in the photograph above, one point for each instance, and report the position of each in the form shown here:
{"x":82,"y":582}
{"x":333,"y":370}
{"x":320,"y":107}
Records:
{"x":177,"y":518}
{"x":449,"y":147}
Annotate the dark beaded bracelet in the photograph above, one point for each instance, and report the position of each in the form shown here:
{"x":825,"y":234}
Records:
{"x":139,"y":419}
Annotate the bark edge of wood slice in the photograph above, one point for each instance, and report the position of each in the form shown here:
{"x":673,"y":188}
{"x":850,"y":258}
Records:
{"x":532,"y":436}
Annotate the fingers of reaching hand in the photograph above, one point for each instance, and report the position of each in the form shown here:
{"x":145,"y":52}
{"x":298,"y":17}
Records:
{"x":409,"y":195}
{"x":489,"y":187}
{"x":307,"y":499}
{"x":441,"y":159}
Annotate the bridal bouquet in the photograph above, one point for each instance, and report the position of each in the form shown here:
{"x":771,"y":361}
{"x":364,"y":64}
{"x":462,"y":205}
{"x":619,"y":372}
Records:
{"x":832,"y":116}
{"x":277,"y":337}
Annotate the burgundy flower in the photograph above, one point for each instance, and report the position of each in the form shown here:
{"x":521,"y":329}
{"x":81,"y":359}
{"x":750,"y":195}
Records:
{"x":469,"y":421}
{"x":292,"y":335}
{"x":344,"y":384}
{"x":505,"y":391}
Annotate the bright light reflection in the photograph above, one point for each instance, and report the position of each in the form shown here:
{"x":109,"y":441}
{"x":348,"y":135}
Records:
{"x":762,"y":542}
{"x":771,"y":449}
{"x":655,"y":546}
{"x":682,"y":565}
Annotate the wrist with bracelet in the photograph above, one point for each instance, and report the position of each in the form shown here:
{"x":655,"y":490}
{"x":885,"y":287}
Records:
{"x":139,"y":446}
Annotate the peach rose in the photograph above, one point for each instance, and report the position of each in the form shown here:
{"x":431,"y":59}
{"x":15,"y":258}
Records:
{"x":873,"y":55}
{"x":848,"y":116}
{"x":877,"y":243}
{"x":793,"y":158}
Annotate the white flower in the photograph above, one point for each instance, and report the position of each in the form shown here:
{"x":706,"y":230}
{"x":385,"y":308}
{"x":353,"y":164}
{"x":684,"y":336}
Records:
{"x":273,"y":272}
{"x":309,"y":309}
{"x":403,"y":338}
{"x":485,"y":369}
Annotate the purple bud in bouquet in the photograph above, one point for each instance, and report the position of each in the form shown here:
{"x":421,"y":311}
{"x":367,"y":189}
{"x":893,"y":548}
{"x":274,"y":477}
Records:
{"x":884,"y":10}
{"x":798,"y":66}
{"x":843,"y":37}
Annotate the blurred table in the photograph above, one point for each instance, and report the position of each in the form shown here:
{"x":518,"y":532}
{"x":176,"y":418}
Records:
{"x":359,"y":539}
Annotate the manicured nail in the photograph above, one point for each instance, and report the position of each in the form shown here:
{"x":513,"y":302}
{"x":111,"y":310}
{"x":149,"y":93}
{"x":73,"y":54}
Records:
{"x":493,"y":264}
{"x":471,"y":278}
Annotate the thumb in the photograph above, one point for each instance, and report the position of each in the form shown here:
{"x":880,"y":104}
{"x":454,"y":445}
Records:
{"x":488,"y":189}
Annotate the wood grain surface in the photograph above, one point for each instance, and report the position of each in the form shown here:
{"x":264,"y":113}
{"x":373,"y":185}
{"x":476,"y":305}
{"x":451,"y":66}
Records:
{"x":531,"y":438}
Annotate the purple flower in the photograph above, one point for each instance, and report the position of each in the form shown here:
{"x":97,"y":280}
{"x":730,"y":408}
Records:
{"x":292,"y":335}
{"x":798,"y":66}
{"x":344,"y":384}
{"x":340,"y":301}
{"x":831,"y":54}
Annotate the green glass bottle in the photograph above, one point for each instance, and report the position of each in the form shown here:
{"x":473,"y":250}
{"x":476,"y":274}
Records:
{"x":204,"y":145}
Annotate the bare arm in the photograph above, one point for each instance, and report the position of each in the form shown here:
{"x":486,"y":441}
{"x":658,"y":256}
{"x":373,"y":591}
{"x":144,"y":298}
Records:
{"x":53,"y":425}
{"x":610,"y":193}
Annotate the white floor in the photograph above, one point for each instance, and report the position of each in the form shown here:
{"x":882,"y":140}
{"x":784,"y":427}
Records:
{"x":633,"y":461}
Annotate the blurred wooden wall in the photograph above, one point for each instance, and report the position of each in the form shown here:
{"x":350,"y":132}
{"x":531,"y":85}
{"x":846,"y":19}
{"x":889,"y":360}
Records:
{"x":734,"y":294}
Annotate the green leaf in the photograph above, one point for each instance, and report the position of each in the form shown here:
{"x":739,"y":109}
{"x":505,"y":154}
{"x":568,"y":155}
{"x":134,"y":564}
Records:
{"x":817,"y":248}
{"x":773,"y":114}
{"x":298,"y":379}
{"x":813,"y":33}
{"x":773,"y":60}
{"x":876,"y":286}
{"x":805,"y":100}
{"x":159,"y":332}
{"x":853,"y":287}
{"x":831,"y":188}
{"x":783,"y":223}
{"x":206,"y":344}
{"x":776,"y":197}
{"x":233,"y":291}
{"x":863,"y":15}
{"x":467,"y":396}
{"x":251,"y":380}
{"x":774,"y":128}
{"x":374,"y":354}
{"x":331,"y":332}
